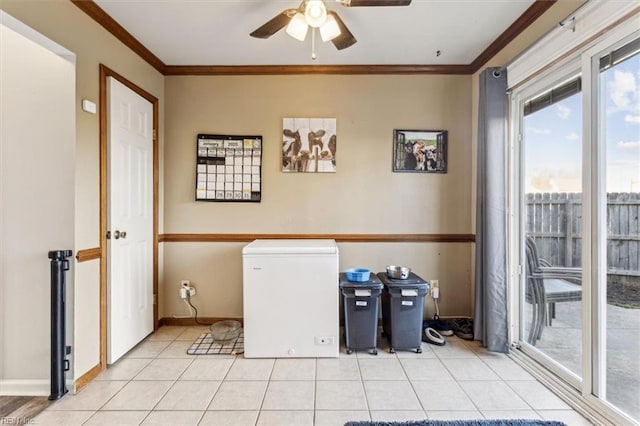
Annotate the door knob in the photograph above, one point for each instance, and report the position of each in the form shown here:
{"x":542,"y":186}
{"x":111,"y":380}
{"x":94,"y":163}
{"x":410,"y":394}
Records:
{"x":117,"y":234}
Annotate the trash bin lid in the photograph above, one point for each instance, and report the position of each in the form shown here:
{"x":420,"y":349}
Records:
{"x":413,"y":280}
{"x":373,"y":283}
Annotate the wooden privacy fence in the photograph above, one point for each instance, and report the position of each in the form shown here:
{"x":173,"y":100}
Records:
{"x":555,"y":221}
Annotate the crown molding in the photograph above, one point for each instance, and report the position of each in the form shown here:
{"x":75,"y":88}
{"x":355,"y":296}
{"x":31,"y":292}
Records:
{"x":529,"y":16}
{"x":313,"y":69}
{"x":105,"y":20}
{"x":537,"y":9}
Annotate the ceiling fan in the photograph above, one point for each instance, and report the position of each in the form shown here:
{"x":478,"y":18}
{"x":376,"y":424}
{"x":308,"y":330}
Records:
{"x":314,"y":14}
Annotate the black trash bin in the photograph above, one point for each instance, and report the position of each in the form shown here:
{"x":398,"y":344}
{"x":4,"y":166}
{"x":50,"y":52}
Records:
{"x":360,"y":301}
{"x":402,"y":311}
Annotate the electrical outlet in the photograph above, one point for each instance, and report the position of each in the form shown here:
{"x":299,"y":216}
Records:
{"x":185,"y":283}
{"x":187,"y":291}
{"x":435,"y":289}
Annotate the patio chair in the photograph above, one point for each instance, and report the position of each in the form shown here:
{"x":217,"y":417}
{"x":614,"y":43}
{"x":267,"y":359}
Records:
{"x":546,"y":286}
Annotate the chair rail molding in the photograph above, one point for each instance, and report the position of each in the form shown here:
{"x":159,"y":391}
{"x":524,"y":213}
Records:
{"x":341,"y":238}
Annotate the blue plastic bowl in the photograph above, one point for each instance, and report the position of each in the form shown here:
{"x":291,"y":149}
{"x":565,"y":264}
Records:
{"x":358,"y":274}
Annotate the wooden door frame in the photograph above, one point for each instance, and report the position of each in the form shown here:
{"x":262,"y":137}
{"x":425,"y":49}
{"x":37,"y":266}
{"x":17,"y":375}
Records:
{"x":104,"y":73}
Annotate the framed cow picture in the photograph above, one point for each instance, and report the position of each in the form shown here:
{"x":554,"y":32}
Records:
{"x":309,"y":145}
{"x":420,"y":151}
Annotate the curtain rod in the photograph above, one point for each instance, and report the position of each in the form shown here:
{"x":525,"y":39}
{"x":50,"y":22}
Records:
{"x":573,"y":15}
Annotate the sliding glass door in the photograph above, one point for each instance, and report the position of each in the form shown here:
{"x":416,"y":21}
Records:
{"x":619,"y":135}
{"x":552,"y":191}
{"x":576,"y":226}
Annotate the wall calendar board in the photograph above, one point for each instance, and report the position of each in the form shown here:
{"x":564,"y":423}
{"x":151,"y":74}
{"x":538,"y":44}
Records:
{"x":229,"y":168}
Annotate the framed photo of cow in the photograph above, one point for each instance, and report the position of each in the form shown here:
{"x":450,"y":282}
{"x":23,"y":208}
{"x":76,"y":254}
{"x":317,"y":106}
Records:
{"x":309,"y":145}
{"x":420,"y":151}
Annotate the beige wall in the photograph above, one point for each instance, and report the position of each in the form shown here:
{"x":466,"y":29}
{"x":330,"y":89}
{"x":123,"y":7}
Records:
{"x":216,"y":272}
{"x":36,"y":86}
{"x":67,"y":25}
{"x":364,"y":196}
{"x":367,"y":108}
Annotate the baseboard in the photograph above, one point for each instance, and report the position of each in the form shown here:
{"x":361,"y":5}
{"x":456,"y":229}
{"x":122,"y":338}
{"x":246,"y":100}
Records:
{"x":25,"y":387}
{"x":192,"y":321}
{"x":29,"y":387}
{"x":87,"y":377}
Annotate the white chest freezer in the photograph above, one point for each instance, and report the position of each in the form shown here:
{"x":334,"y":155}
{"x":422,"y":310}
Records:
{"x":290,"y":298}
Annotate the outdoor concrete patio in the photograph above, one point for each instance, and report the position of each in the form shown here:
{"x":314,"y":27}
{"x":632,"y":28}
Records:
{"x":562,"y":342}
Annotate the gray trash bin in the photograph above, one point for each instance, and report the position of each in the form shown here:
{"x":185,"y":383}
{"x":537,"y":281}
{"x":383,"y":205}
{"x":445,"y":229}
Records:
{"x":402,"y":311}
{"x":360,"y":301}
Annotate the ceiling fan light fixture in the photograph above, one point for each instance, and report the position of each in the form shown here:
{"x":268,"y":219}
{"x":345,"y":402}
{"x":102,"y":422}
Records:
{"x":298,"y":27}
{"x":330,"y":29}
{"x":315,"y":13}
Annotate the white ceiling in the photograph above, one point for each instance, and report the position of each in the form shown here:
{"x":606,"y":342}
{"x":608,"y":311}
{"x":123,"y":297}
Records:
{"x":216,"y":32}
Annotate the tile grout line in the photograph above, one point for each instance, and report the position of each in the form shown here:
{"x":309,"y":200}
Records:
{"x":157,"y":357}
{"x":235,"y":357}
{"x":204,"y":412}
{"x":413,"y":388}
{"x":315,"y":386}
{"x":178,"y":379}
{"x":119,"y":390}
{"x":170,"y":387}
{"x":264,"y":396}
{"x":100,"y":409}
{"x":455,"y":380}
{"x":364,"y":389}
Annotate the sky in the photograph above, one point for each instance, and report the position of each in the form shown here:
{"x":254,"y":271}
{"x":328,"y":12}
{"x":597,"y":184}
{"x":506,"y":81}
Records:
{"x":553,"y":136}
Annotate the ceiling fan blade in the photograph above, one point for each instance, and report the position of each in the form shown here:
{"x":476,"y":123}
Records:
{"x":345,"y":39}
{"x":360,"y":3}
{"x":274,"y":25}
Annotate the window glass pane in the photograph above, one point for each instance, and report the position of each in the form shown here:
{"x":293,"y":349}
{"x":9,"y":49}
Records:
{"x":620,"y":131}
{"x":552,"y":314}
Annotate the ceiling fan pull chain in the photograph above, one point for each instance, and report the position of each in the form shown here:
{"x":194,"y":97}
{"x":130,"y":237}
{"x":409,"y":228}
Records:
{"x":313,"y":44}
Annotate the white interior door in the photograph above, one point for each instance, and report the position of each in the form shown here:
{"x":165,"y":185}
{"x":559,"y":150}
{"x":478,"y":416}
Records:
{"x":129,"y":219}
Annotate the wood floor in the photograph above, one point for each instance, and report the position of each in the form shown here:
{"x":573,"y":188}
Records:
{"x":20,"y":409}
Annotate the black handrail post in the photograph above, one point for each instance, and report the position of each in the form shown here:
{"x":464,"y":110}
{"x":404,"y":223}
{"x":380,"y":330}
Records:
{"x":59,"y":364}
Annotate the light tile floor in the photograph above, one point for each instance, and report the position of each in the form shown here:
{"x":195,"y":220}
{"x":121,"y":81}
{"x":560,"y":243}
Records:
{"x":157,"y":383}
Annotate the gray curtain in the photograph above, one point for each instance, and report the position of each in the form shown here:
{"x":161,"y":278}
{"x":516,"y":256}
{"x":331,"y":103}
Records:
{"x":491,"y":316}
